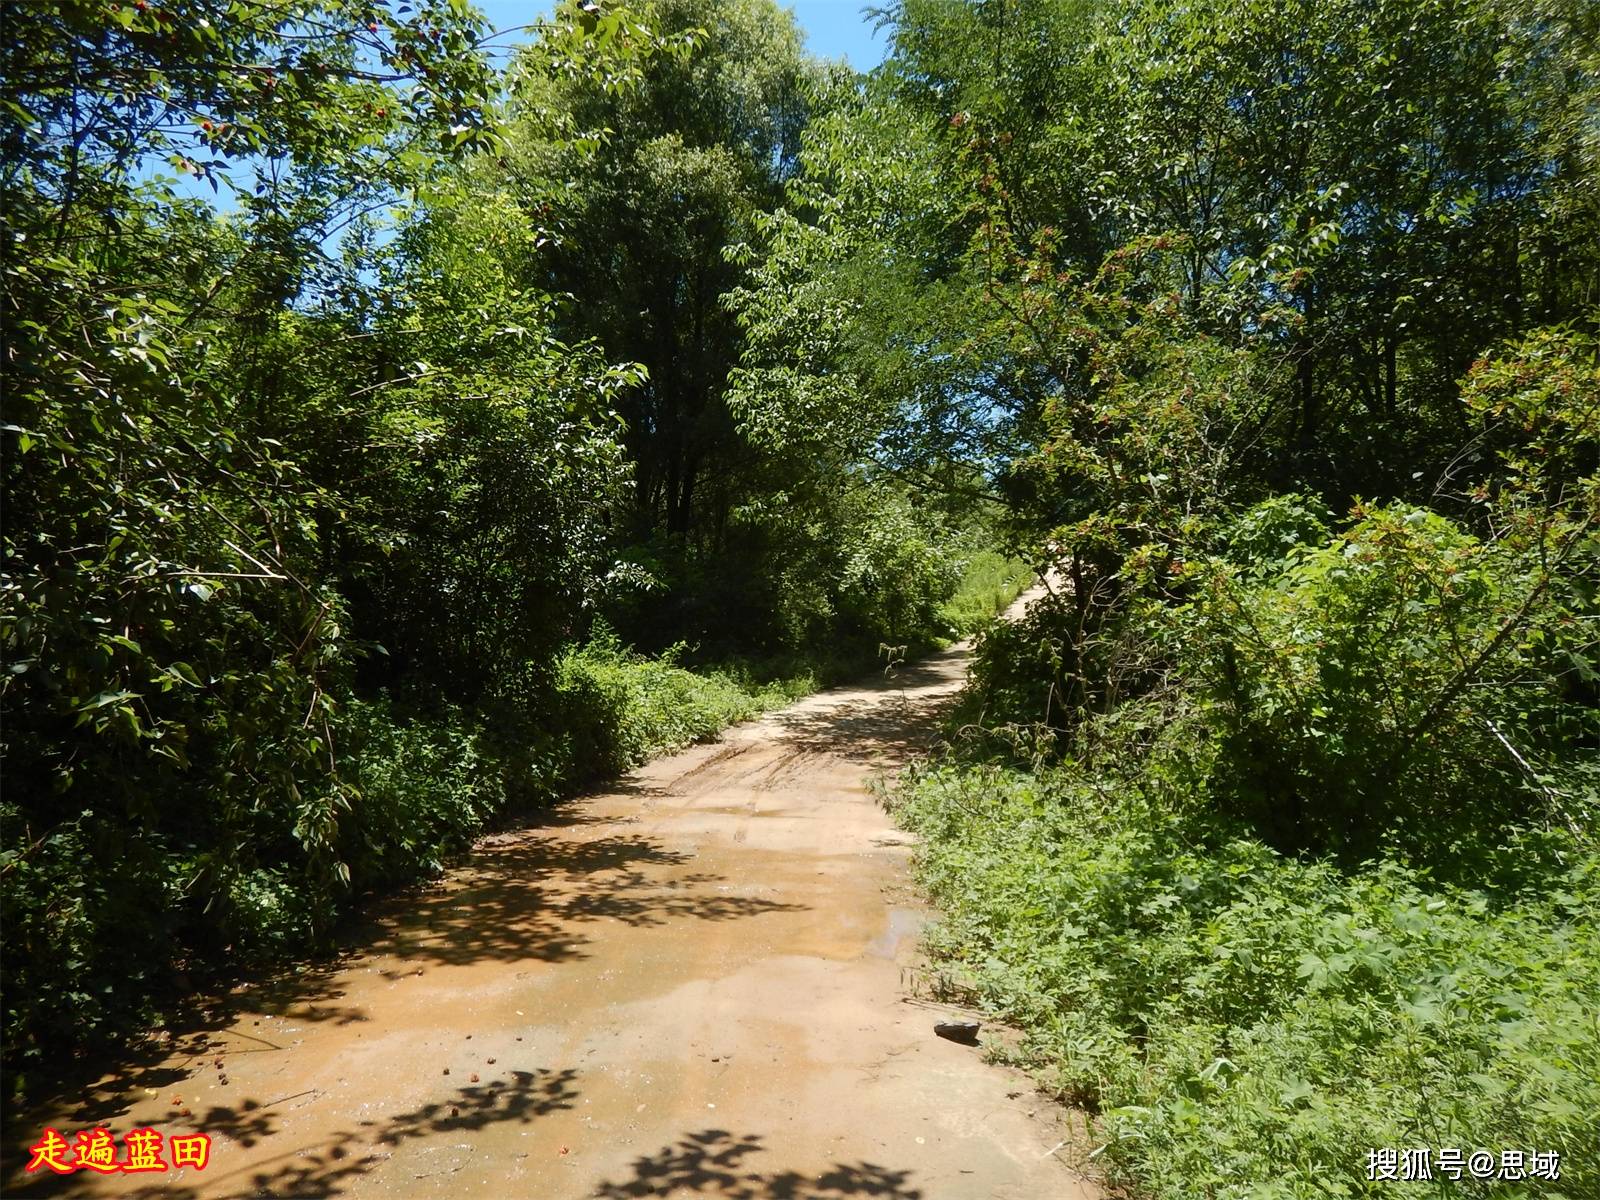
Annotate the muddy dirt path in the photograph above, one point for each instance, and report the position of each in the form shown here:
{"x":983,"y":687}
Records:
{"x":691,"y":985}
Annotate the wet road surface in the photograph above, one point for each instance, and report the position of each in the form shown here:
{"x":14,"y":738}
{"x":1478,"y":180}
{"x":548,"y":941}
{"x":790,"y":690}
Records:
{"x":693,"y":984}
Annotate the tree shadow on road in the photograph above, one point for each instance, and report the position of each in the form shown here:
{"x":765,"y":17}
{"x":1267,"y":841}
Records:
{"x":523,"y":898}
{"x":882,"y":721}
{"x":329,"y":1165}
{"x":167,"y":1059}
{"x":872,"y":733}
{"x":529,"y":899}
{"x":711,"y":1164}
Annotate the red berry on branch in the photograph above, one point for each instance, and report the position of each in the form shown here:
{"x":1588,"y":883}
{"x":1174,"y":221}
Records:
{"x":372,"y":27}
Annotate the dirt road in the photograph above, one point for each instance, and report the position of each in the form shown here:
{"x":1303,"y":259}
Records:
{"x":691,"y":985}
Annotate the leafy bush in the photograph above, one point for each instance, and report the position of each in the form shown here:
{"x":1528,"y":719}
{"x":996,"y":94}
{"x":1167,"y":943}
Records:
{"x":1248,"y":1024}
{"x":422,"y":790}
{"x":1261,"y":538}
{"x":1016,"y":669}
{"x":1324,"y":880}
{"x":894,"y":576}
{"x":621,"y":708}
{"x":77,"y":939}
{"x":1375,"y":686}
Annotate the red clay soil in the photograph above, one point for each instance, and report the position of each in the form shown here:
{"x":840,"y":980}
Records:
{"x":695,"y":984}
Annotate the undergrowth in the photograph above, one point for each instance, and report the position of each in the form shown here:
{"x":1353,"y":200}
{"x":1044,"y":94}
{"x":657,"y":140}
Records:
{"x":1250,"y":1024}
{"x":990,"y":581}
{"x":415,"y":790}
{"x":626,"y":707}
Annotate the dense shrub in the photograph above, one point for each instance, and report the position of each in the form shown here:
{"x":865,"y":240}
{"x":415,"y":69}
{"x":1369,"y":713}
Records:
{"x":421,"y":790}
{"x":78,"y":940}
{"x":1328,"y":882}
{"x":1374,"y":686}
{"x":620,"y":707}
{"x":895,"y":575}
{"x":1261,"y":538}
{"x":990,"y":581}
{"x":106,"y":922}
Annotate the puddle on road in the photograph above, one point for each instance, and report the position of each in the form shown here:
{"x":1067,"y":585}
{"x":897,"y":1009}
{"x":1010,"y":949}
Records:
{"x":903,"y":923}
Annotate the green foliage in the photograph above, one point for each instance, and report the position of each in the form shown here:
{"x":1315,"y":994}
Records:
{"x":622,"y":708}
{"x":990,"y":581}
{"x":175,"y":652}
{"x":1260,"y":539}
{"x":78,"y":940}
{"x":1138,"y":268}
{"x":1327,"y":881}
{"x":894,"y":577}
{"x":488,"y":450}
{"x":690,"y":153}
{"x":1246,"y":1024}
{"x":296,"y":528}
{"x":1263,"y":333}
{"x":422,"y":792}
{"x":1371,"y":684}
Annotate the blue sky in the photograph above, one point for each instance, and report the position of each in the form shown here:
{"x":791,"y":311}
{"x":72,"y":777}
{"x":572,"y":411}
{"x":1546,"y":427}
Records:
{"x":833,"y":28}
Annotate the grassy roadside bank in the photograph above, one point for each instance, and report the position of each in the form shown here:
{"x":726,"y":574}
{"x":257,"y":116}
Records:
{"x":421,"y":787}
{"x":989,"y":583}
{"x":1248,"y":1024}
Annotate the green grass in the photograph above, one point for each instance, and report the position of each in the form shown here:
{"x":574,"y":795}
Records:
{"x":989,"y":583}
{"x":1248,"y":1025}
{"x":628,"y":708}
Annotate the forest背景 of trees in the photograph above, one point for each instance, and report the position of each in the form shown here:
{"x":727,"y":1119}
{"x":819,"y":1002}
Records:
{"x":496,"y":426}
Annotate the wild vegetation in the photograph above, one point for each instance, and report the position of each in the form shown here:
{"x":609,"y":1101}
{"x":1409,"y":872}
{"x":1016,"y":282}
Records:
{"x":1274,"y":826}
{"x":494,"y":427}
{"x":1272,"y":329}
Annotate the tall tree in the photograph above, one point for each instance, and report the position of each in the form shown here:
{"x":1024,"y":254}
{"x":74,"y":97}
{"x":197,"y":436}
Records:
{"x":701,"y":145}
